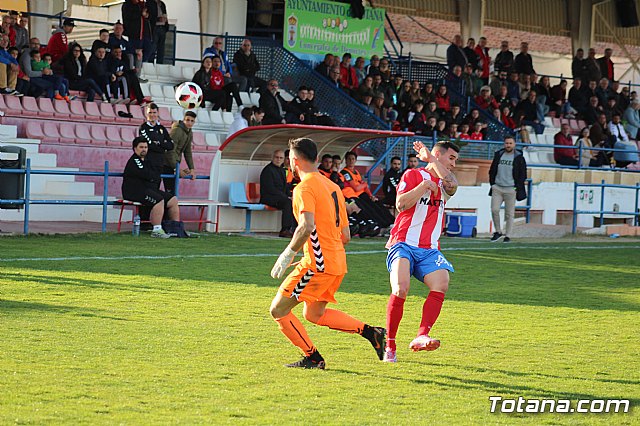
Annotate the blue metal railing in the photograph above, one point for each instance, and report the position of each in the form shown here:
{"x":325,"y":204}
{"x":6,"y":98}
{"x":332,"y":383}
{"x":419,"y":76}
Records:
{"x":602,"y":211}
{"x":27,"y":201}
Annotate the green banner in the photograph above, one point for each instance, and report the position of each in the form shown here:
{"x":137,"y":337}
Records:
{"x":317,"y":27}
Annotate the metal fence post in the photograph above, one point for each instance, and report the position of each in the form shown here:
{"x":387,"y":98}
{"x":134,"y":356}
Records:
{"x":602,"y":204}
{"x":177,"y":179}
{"x":27,"y":196}
{"x":105,"y":195}
{"x":574,"y":225}
{"x":636,"y":219}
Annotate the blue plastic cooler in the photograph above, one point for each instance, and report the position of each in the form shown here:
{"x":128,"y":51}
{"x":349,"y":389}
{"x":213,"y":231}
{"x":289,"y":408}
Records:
{"x":461,"y":225}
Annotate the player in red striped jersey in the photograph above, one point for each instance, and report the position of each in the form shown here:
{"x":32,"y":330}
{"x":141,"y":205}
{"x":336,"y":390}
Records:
{"x":414,"y":246}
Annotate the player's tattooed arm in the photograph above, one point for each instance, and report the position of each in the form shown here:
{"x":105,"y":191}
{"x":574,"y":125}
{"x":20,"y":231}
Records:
{"x":450,"y":184}
{"x":409,"y":199}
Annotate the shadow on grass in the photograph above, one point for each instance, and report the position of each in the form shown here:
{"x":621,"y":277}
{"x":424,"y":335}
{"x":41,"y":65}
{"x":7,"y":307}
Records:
{"x":19,"y":307}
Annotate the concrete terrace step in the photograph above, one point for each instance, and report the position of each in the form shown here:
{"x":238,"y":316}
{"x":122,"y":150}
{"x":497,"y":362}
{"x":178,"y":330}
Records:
{"x":69,"y":188}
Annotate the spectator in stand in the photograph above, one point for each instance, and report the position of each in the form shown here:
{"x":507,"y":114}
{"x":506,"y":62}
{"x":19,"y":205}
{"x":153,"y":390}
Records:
{"x":360,"y":72}
{"x":632,"y":119}
{"x":529,"y":109}
{"x":577,"y":97}
{"x":589,"y":157}
{"x":385,"y":70}
{"x":507,"y":176}
{"x":317,"y":117}
{"x":365,"y":87}
{"x":118,"y":88}
{"x":611,"y":108}
{"x":559,"y":101}
{"x":396,"y":89}
{"x":624,"y":99}
{"x":523,"y":63}
{"x":257,"y":117}
{"x":601,"y":137}
{"x":452,"y":133}
{"x":388,"y":115}
{"x":128,"y":53}
{"x":470,"y":53}
{"x":417,"y":119}
{"x":334,"y":78}
{"x":404,"y":101}
{"x":477,"y":134}
{"x":59,"y":43}
{"x":374,"y":65}
{"x":102,"y":41}
{"x":37,"y":84}
{"x":98,"y":70}
{"x":391,"y":180}
{"x":525,"y":85}
{"x":135,"y":20}
{"x":500,"y":79}
{"x":348,"y":77}
{"x":507,"y":118}
{"x":241,"y":121}
{"x":513,"y":88}
{"x":593,"y":110}
{"x":502,"y":98}
{"x":432,"y":110}
{"x":468,"y":80}
{"x":564,"y":156}
{"x":182,"y":136}
{"x":324,"y":67}
{"x":430,"y":128}
{"x":485,"y":99}
{"x":484,"y":60}
{"x":504,"y":58}
{"x":8,"y":30}
{"x":273,"y":105}
{"x":416,"y":93}
{"x":603,"y":92}
{"x":8,"y":69}
{"x":248,"y":66}
{"x":578,"y":66}
{"x":211,"y":81}
{"x":476,"y":82}
{"x":74,"y":64}
{"x":590,"y":89}
{"x":617,"y":129}
{"x":443,"y":101}
{"x":273,"y":192}
{"x":429,"y":95}
{"x":22,"y":33}
{"x":622,"y":142}
{"x":606,"y":65}
{"x":141,"y":182}
{"x":379,"y":87}
{"x":298,"y":108}
{"x":472,"y":118}
{"x":59,"y":85}
{"x":225,"y":65}
{"x":455,"y":80}
{"x":366,"y":100}
{"x":160,"y":23}
{"x":455,"y":53}
{"x":464,"y":132}
{"x":543,"y":89}
{"x":592,"y":67}
{"x":22,"y":83}
{"x":455,"y":116}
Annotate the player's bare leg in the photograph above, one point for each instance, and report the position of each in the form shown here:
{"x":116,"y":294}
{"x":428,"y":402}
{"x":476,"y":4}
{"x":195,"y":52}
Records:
{"x":438,"y":283}
{"x":318,"y":313}
{"x":400,"y":279}
{"x":293,"y":329}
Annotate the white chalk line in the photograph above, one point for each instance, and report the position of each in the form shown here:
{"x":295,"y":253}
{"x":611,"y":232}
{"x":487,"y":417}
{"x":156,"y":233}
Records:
{"x":350,"y":253}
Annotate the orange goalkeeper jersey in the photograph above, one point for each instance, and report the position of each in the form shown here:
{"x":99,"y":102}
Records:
{"x":324,"y":251}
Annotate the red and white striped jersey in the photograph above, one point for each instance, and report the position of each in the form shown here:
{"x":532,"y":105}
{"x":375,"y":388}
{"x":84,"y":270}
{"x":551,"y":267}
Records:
{"x":421,"y":225}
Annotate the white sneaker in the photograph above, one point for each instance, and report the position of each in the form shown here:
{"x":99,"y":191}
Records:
{"x":389,"y":355}
{"x":160,"y":234}
{"x":424,"y":343}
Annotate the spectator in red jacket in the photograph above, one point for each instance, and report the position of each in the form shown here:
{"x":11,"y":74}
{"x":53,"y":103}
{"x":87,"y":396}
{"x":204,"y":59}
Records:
{"x":484,"y":60}
{"x":507,"y":119}
{"x":564,"y":156}
{"x":442,"y":100}
{"x":477,"y":132}
{"x":485,"y":100}
{"x":348,"y":76}
{"x":58,"y":43}
{"x":7,"y":28}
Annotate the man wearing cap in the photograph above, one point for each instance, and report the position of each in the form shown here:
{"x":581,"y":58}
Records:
{"x":58,"y":43}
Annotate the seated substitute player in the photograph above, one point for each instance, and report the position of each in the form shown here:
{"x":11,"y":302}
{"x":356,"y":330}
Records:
{"x":140,"y":183}
{"x":414,"y":247}
{"x":322,"y":230}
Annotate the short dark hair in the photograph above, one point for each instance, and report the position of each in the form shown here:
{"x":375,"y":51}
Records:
{"x":446,"y":145}
{"x":104,"y":30}
{"x":138,"y":140}
{"x":336,"y":157}
{"x":190,"y":114}
{"x":258,"y":110}
{"x":301,"y":88}
{"x":325,"y":156}
{"x":12,"y":49}
{"x":305,"y":148}
{"x":351,"y":153}
{"x":396,"y":158}
{"x":152,"y":105}
{"x":46,"y":55}
{"x":34,"y":52}
{"x":412,"y":156}
{"x":246,"y":113}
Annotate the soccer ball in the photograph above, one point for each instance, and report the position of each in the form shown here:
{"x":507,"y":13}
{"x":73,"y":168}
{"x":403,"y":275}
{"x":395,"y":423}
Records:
{"x":189,"y":95}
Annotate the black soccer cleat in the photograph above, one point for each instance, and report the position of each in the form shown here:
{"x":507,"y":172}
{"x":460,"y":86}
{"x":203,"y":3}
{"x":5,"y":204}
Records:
{"x":314,"y":360}
{"x":377,"y":336}
{"x":496,"y":237}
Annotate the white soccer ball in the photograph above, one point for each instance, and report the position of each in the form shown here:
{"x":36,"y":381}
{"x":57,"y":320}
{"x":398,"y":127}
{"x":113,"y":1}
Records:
{"x":189,"y":95}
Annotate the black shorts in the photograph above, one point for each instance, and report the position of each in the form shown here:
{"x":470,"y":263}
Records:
{"x":149,"y":196}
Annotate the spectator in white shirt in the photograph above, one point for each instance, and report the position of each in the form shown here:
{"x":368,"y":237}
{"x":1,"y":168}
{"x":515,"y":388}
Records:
{"x":241,"y":121}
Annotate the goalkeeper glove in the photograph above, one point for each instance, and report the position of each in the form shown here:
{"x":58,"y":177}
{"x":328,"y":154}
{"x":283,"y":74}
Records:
{"x":283,"y":262}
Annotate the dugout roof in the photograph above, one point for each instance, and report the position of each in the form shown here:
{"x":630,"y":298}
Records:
{"x":259,"y":142}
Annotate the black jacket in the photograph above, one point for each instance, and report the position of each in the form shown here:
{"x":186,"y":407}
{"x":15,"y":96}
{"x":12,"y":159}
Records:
{"x":273,"y":184}
{"x":247,"y":66}
{"x":523,"y":64}
{"x":70,"y":67}
{"x":269,"y":105}
{"x":137,"y":175}
{"x":389,"y":184}
{"x":159,"y":142}
{"x":132,"y":20}
{"x":519,"y":172}
{"x":98,"y":69}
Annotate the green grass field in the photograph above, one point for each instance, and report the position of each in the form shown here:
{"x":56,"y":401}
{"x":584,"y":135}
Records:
{"x":111,"y":329}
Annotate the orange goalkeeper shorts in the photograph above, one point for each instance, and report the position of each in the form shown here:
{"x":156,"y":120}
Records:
{"x":309,"y":286}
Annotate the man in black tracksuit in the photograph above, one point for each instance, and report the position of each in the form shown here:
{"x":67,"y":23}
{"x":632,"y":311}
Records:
{"x":140,"y":183}
{"x":159,"y":141}
{"x":390,"y":182}
{"x":273,"y":191}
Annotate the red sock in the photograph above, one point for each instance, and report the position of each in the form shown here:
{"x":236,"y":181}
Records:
{"x":430,"y":311}
{"x":395,"y":309}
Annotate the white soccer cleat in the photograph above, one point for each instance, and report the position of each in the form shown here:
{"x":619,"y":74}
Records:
{"x":424,"y":343}
{"x":389,"y":355}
